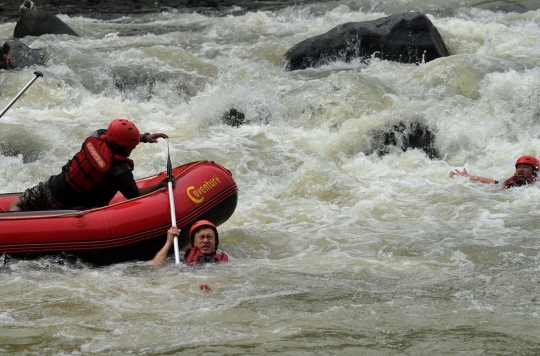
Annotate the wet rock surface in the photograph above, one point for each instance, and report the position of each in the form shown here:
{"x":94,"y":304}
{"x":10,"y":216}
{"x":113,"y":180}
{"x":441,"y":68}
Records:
{"x":15,"y":54}
{"x":405,"y":136}
{"x":406,"y":38}
{"x":37,"y":23}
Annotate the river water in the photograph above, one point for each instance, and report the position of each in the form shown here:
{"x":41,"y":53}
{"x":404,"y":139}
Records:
{"x":333,"y":250}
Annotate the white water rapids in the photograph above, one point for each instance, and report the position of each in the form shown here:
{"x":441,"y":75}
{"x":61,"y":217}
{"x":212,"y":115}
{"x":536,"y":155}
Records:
{"x":332,"y":250}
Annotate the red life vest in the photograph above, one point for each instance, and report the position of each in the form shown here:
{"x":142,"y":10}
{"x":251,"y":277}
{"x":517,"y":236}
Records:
{"x":194,"y":255}
{"x":518,"y":182}
{"x":88,"y":167}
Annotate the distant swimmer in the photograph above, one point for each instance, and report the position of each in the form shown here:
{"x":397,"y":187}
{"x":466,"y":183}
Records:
{"x":526,"y":173}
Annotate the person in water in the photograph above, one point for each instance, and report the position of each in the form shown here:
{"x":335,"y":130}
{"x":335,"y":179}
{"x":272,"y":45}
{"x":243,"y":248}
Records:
{"x":95,"y":174}
{"x":526,"y":173}
{"x":203,"y":240}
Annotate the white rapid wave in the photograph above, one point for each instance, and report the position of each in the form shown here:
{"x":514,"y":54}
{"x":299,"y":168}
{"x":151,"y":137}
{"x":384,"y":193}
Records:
{"x":332,"y":249}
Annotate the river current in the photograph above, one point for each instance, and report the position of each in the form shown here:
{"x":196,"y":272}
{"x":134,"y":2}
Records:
{"x":333,"y":250}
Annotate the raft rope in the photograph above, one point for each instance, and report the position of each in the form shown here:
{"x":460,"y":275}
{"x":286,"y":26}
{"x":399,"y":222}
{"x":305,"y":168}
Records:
{"x":83,"y":212}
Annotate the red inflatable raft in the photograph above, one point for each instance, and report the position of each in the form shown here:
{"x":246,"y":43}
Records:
{"x":124,"y":230}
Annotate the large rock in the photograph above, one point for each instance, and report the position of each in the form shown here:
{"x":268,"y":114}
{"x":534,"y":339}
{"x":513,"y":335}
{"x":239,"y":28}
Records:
{"x":405,"y":38}
{"x":37,"y":23}
{"x":404,"y":136}
{"x":233,"y":118}
{"x":15,"y":54}
{"x":202,"y":3}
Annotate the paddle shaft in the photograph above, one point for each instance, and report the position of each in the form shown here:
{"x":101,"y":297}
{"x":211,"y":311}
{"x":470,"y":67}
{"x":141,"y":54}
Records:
{"x":171,"y":202}
{"x":37,"y":75}
{"x":173,"y":219}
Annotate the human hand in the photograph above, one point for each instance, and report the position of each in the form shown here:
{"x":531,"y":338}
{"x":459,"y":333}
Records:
{"x":457,"y":172}
{"x":153,"y":138}
{"x":204,"y":287}
{"x":171,"y":233}
{"x":164,"y":183}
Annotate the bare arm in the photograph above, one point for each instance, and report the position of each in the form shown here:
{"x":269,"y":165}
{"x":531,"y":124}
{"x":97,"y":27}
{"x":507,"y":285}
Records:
{"x":152,"y":138}
{"x":205,"y":287}
{"x":464,"y":173}
{"x":152,"y":188}
{"x":160,"y":259}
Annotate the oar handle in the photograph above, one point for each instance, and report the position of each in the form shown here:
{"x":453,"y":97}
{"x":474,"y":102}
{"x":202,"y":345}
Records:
{"x":37,"y":75}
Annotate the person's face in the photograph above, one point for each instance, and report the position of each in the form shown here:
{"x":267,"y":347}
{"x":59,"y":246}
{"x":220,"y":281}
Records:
{"x":524,"y":170}
{"x":128,"y":150}
{"x":205,"y":241}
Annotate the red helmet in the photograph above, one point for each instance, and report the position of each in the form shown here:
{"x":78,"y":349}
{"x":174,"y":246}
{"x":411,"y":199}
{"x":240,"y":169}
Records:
{"x":123,"y":132}
{"x":528,"y":160}
{"x":202,"y":223}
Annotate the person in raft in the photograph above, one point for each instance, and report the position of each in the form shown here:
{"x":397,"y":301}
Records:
{"x":204,"y":241}
{"x":95,"y":174}
{"x":526,"y":173}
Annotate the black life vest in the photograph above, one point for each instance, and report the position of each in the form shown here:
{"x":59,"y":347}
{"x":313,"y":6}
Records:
{"x":517,"y":182}
{"x":194,"y":255}
{"x":88,"y":167}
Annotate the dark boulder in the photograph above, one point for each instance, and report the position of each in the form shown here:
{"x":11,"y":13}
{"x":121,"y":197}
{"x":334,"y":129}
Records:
{"x":15,"y":54}
{"x":405,"y":136}
{"x":37,"y":23}
{"x":405,"y":38}
{"x":233,"y":118}
{"x":202,"y":3}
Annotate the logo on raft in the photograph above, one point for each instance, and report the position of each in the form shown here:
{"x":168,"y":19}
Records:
{"x":197,"y":194}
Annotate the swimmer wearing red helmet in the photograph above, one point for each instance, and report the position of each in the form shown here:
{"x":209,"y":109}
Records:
{"x":203,"y":240}
{"x":525,"y":174}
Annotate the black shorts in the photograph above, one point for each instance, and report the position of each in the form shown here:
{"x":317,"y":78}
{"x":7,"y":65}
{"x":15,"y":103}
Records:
{"x":39,"y":198}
